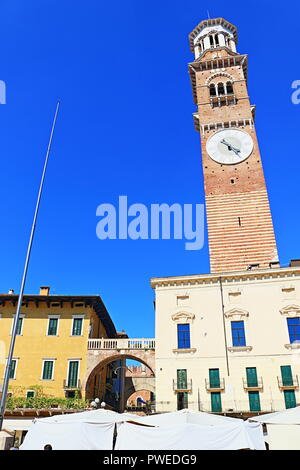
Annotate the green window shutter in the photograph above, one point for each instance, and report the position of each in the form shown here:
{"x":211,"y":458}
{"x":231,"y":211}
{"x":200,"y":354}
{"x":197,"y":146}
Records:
{"x":19,"y":326}
{"x":254,"y":401}
{"x":48,"y":369}
{"x":73,"y":374}
{"x":77,"y":326}
{"x":52,"y":328}
{"x":214,"y":378}
{"x":216,"y":404}
{"x":251,"y":376}
{"x":286,"y":374}
{"x":181,"y":378}
{"x":12,"y":369}
{"x":289,"y":398}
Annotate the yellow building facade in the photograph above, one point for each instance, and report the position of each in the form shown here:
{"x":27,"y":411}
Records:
{"x":50,"y":351}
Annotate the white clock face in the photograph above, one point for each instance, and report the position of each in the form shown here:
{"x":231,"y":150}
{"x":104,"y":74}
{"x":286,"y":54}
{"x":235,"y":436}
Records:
{"x":229,"y":146}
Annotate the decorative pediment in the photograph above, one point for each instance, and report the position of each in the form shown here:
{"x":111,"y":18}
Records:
{"x":291,"y":311}
{"x":236,"y":313}
{"x":183,"y":317}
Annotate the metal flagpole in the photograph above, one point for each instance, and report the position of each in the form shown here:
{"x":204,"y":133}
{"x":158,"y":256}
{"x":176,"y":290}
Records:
{"x":16,"y":320}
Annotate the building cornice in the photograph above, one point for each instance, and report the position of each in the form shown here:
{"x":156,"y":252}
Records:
{"x":226,"y":277}
{"x":93,"y":301}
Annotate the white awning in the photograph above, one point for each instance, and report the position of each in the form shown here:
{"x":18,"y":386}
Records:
{"x":17,"y":424}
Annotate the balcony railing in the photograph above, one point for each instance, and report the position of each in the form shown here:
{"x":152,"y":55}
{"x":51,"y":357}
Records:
{"x":214,"y":385}
{"x":121,"y":343}
{"x":253,"y":384}
{"x":223,"y":100}
{"x":72,"y":385}
{"x":288,"y":383}
{"x":182,"y":386}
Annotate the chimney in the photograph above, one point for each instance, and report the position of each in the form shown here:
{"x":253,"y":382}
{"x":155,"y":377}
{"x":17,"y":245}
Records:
{"x":44,"y":290}
{"x":11,"y":291}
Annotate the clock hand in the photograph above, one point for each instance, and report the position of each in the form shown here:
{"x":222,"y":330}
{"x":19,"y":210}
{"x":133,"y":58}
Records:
{"x":231,"y":147}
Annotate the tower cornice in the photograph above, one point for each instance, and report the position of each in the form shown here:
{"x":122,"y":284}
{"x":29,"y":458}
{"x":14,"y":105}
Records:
{"x":217,"y":63}
{"x":211,"y":22}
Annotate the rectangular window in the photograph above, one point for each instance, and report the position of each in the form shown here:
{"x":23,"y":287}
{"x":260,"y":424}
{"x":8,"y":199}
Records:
{"x":254,"y":401}
{"x":19,"y":326}
{"x":294,"y":329}
{"x":77,"y":327}
{"x":73,"y":374}
{"x":251,"y":377}
{"x":289,"y":398}
{"x":183,"y":336}
{"x":214,"y":378}
{"x":182,"y":400}
{"x":181,"y":379}
{"x":47,"y":370}
{"x":216,"y":404}
{"x":30,"y":393}
{"x":286,"y":375}
{"x":238,"y":333}
{"x":52,"y":326}
{"x":13,"y":366}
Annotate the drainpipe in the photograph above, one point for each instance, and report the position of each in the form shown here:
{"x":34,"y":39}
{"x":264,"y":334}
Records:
{"x":224,"y":326}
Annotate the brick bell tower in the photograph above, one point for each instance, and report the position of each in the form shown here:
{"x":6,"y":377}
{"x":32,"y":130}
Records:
{"x":240,"y":228}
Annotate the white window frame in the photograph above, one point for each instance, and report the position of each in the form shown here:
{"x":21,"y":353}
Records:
{"x":78,"y":374}
{"x":48,"y":359}
{"x":22,"y":315}
{"x":75,"y":317}
{"x":29,"y":390}
{"x":56,"y":317}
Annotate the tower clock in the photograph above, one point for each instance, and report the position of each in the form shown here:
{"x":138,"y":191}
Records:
{"x":240,"y":228}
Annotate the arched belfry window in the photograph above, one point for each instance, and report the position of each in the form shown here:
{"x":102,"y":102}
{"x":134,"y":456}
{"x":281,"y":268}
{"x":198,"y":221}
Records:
{"x":211,"y":41}
{"x":229,"y":88}
{"x":212,"y":89}
{"x":217,"y":40}
{"x":221,"y":90}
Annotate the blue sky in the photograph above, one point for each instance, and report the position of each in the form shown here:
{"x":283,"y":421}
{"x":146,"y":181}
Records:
{"x":125,"y":128}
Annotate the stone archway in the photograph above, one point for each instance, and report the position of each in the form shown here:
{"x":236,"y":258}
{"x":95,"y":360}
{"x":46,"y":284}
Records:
{"x":136,"y":384}
{"x":99,"y":360}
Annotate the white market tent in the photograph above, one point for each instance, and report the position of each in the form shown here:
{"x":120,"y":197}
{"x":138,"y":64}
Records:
{"x":94,"y":430}
{"x":283,"y":428}
{"x":190,"y":430}
{"x":87,"y":430}
{"x":186,"y":416}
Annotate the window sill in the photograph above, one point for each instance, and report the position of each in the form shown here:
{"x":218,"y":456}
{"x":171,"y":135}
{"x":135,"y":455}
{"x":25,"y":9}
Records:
{"x":292,"y":346}
{"x":184,"y":350}
{"x":239,"y":348}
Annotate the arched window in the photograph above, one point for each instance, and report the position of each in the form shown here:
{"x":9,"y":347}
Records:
{"x":212,"y":89}
{"x":221,"y":90}
{"x":217,"y":40}
{"x":229,"y":88}
{"x":211,"y":40}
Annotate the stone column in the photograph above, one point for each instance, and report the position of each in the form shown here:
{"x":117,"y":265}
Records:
{"x":206,"y":43}
{"x":221,"y":39}
{"x":232,"y":45}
